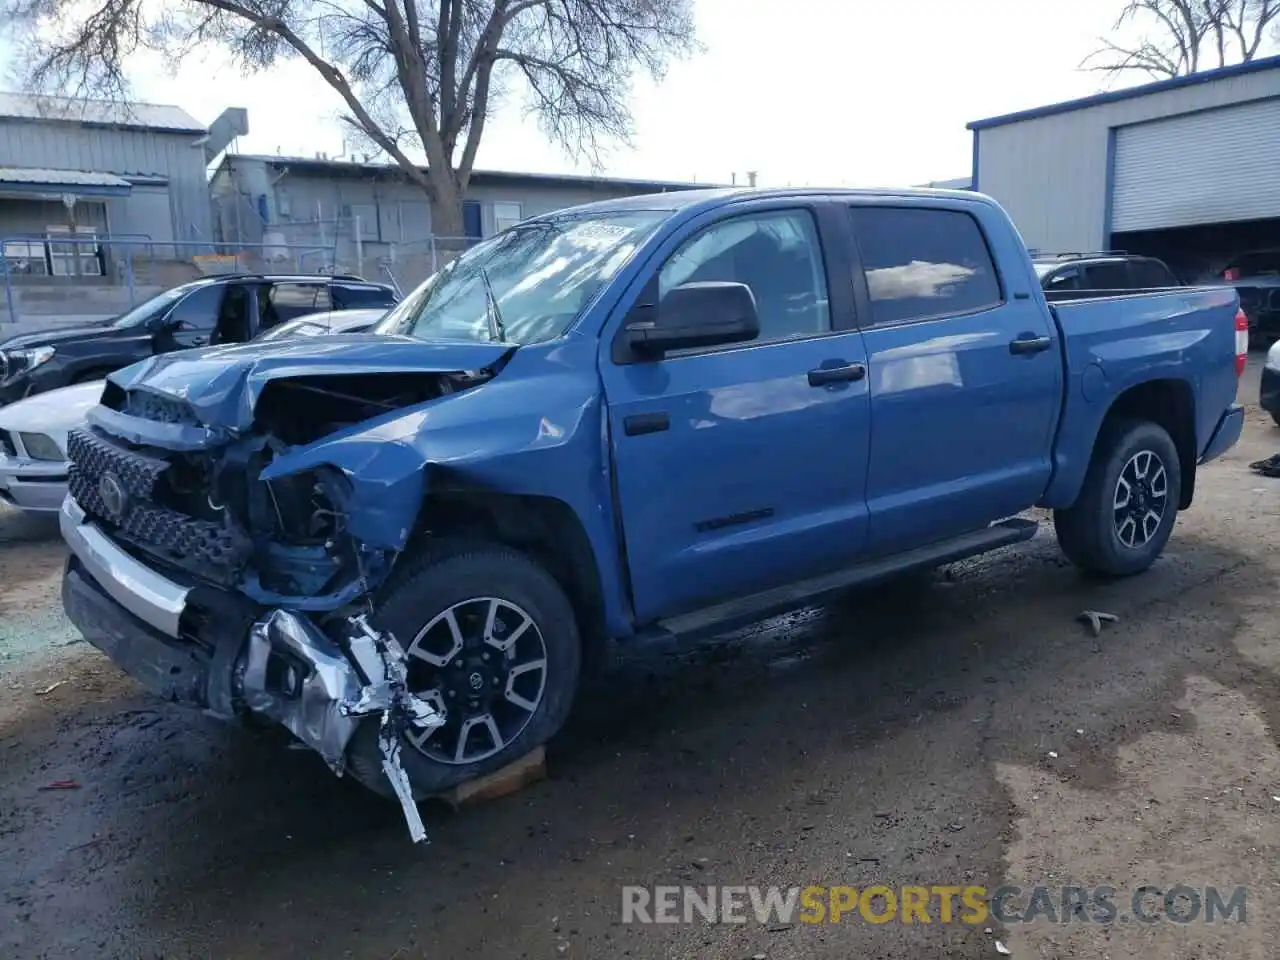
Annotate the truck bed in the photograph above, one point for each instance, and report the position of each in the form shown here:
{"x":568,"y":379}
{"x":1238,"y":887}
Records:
{"x":1111,"y":342}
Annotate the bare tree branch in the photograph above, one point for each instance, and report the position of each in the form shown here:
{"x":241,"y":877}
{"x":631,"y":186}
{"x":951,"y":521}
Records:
{"x":1176,"y":37}
{"x":413,"y":75}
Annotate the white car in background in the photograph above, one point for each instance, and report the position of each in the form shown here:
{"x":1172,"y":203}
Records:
{"x":33,"y":432}
{"x":33,"y":445}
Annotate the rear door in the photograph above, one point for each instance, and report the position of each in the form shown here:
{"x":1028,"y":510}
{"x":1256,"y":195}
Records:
{"x":741,"y":467}
{"x":965,"y":371}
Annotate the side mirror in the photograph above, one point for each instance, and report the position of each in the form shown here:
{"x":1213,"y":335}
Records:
{"x":705,"y":314}
{"x":163,"y":323}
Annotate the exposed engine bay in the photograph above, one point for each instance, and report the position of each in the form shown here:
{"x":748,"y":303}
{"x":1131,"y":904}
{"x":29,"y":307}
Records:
{"x":283,"y":541}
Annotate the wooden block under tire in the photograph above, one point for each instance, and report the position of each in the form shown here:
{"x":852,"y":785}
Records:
{"x":512,"y":778}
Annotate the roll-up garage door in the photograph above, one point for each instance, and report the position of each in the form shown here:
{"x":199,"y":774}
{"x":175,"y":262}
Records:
{"x":1216,"y":166}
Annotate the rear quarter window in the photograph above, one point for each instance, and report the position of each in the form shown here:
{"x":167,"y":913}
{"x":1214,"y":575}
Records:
{"x":345,"y":298}
{"x":922,"y":263}
{"x":1108,"y":276}
{"x":1152,"y":273}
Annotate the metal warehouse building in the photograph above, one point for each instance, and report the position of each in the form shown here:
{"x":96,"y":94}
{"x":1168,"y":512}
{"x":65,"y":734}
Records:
{"x":1187,"y":169}
{"x":95,"y":169}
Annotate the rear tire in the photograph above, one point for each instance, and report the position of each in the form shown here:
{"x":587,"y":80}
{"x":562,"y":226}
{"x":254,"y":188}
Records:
{"x":507,"y":704}
{"x":1128,"y":504}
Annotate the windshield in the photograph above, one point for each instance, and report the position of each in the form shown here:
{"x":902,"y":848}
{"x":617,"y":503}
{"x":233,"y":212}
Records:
{"x":525,"y":285}
{"x":1044,"y":268}
{"x":153,"y":307}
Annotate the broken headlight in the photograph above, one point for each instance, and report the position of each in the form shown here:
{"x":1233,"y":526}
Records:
{"x":306,"y":506}
{"x":16,"y":363}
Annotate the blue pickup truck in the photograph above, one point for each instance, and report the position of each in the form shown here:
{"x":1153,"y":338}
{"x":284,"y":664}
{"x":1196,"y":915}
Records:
{"x":657,"y":416}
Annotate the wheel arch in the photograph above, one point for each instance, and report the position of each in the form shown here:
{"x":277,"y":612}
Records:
{"x":546,"y":529}
{"x":1171,"y":404}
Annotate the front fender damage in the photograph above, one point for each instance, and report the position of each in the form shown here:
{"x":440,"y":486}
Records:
{"x":297,"y":676}
{"x":296,"y":479}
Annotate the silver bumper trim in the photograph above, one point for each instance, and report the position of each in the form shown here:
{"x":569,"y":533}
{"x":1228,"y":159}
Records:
{"x":150,"y":597}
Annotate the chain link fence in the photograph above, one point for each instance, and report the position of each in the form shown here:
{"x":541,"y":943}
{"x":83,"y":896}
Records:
{"x":67,"y":278}
{"x":85,"y":277}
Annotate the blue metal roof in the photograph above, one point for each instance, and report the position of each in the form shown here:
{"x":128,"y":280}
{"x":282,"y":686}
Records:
{"x":1111,"y":96}
{"x":86,"y":183}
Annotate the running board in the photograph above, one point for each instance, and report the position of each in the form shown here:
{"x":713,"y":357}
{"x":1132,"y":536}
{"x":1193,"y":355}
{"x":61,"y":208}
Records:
{"x":768,"y":603}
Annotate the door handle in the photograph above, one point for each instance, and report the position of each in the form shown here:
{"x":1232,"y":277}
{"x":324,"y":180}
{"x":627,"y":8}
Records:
{"x":850,"y":373}
{"x":642,"y":423}
{"x":1027,"y":345}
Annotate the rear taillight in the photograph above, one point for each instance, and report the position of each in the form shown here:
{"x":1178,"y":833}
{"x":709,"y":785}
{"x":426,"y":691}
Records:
{"x":1242,"y":342}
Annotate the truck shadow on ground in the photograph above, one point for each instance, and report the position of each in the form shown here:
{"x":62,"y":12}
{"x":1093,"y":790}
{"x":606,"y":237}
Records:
{"x":668,"y":759}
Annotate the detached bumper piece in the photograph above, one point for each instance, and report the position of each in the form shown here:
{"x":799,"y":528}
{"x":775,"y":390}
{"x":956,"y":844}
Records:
{"x":286,"y":668}
{"x":301,"y":679}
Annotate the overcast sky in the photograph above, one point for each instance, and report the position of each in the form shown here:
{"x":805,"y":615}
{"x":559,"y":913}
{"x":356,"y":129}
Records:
{"x":830,"y":92}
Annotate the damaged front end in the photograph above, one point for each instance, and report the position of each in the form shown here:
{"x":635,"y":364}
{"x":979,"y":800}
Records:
{"x":321,"y":691}
{"x":225,"y":547}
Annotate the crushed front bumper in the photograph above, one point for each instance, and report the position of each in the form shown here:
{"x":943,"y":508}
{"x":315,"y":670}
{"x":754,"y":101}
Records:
{"x":274,"y":663}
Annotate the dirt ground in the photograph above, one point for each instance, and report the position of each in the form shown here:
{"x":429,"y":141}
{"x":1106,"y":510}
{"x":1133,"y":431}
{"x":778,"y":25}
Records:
{"x":961,"y":730}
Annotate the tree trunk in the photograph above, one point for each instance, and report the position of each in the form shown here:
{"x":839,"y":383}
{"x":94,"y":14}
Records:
{"x":446,"y":212}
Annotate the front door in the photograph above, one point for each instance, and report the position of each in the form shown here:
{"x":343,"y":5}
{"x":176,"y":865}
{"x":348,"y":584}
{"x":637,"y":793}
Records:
{"x":741,"y":467}
{"x":965,"y":372}
{"x":192,"y":320}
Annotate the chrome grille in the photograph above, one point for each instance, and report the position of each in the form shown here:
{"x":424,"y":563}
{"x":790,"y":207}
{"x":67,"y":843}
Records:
{"x":201,"y":545}
{"x":91,"y":457}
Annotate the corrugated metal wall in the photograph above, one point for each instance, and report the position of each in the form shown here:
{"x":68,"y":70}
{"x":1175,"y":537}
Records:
{"x":1218,"y":166}
{"x":66,"y":146}
{"x":1050,"y":173}
{"x":389,"y":211}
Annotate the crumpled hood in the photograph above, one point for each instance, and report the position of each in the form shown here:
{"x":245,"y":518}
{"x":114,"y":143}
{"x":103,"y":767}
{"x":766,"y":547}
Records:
{"x":222,"y":384}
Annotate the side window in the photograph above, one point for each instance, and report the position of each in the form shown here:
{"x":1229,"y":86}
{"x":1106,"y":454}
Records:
{"x":1151,"y":273}
{"x":1108,"y":276}
{"x":347,"y":298}
{"x":286,"y":301}
{"x":1065,"y":279}
{"x":923,"y":263}
{"x":775,"y":254}
{"x":198,"y":310}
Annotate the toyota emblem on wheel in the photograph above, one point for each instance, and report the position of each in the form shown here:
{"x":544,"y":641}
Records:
{"x":113,"y":496}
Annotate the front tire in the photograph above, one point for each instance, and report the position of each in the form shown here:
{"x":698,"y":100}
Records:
{"x":1128,"y":504}
{"x":492,"y":639}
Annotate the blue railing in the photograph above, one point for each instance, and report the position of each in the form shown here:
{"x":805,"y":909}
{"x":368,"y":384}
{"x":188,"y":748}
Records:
{"x":119,"y":256}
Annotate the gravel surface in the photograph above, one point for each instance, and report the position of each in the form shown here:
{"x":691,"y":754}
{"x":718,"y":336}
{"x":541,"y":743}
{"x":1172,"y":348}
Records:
{"x":960,"y":729}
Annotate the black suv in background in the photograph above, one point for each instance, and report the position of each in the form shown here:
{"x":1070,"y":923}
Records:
{"x":1256,"y":277}
{"x":1089,"y":274}
{"x":229,"y":308}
